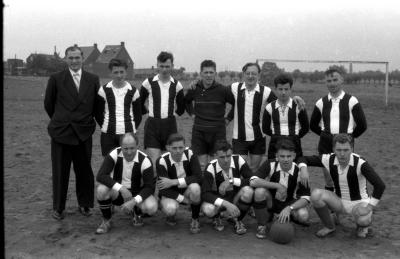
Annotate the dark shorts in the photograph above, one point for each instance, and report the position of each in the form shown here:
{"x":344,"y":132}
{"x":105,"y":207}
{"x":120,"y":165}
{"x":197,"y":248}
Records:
{"x":203,"y":141}
{"x":108,"y":142}
{"x":230,"y":196}
{"x":119,"y":200}
{"x":157,"y":131}
{"x":278,"y":206}
{"x":275,"y":139}
{"x":325,"y":145}
{"x":243,"y":147}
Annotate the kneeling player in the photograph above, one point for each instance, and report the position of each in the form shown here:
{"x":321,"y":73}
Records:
{"x":179,"y":178}
{"x":226,"y":187}
{"x":126,"y":178}
{"x":350,"y":174}
{"x":278,"y":188}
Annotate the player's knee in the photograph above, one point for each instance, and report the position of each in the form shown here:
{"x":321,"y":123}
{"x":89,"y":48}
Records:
{"x":247,"y":194}
{"x":195,"y":192}
{"x":102,"y":192}
{"x":316,"y":196}
{"x":302,"y":214}
{"x":150,"y":207}
{"x":208,"y":209}
{"x":261,"y":194}
{"x":170,"y":207}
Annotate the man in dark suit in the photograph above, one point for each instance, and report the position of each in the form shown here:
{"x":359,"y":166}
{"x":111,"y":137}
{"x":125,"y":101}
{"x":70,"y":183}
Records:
{"x":69,"y":102}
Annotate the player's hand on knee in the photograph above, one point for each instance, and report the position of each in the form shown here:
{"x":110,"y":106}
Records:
{"x":126,"y":194}
{"x":284,"y":216}
{"x":224,"y":187}
{"x":232,"y":210}
{"x":128,"y":206}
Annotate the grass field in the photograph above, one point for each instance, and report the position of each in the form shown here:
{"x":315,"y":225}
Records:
{"x":31,"y":232}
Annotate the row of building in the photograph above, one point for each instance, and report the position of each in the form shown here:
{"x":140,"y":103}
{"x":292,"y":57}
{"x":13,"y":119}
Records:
{"x":93,"y":61}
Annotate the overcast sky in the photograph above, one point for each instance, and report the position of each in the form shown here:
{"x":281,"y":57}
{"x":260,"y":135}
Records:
{"x":229,"y":32}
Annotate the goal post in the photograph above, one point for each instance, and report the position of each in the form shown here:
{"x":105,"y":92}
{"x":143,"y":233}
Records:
{"x":351,"y":62}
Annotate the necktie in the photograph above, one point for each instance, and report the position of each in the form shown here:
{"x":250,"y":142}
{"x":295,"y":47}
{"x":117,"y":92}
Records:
{"x":76,"y":80}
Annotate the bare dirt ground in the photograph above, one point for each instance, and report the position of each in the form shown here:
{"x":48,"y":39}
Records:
{"x":31,"y":232}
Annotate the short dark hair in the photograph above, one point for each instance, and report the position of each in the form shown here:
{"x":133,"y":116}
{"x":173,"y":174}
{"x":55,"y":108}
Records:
{"x":283,"y":79}
{"x":330,"y":71}
{"x":342,"y":138}
{"x":175,"y":137}
{"x":222,"y":145}
{"x":250,"y":64}
{"x":208,"y":63}
{"x":133,"y":135}
{"x":115,"y":62}
{"x":73,"y":48}
{"x":285,"y":144}
{"x":164,"y":56}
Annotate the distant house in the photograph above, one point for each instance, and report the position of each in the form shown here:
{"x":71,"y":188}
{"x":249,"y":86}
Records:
{"x":14,"y":66}
{"x":32,"y":57}
{"x":100,"y":66}
{"x":90,"y":55}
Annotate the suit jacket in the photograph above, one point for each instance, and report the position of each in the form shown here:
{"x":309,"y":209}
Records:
{"x":71,"y":114}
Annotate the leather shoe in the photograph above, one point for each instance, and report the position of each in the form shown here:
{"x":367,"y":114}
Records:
{"x":85,"y":211}
{"x":58,"y":215}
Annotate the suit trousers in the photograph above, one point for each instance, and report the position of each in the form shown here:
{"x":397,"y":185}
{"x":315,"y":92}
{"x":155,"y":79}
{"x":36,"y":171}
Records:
{"x":80,"y":155}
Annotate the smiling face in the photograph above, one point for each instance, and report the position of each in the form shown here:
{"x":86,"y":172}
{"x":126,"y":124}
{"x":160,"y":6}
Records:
{"x":251,"y":76}
{"x":207,"y":75}
{"x":74,"y":59}
{"x":343,"y":152}
{"x":176,"y":149}
{"x":285,"y":158}
{"x":334,"y":82}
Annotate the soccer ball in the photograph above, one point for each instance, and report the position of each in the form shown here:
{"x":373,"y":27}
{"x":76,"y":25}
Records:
{"x":282,"y":233}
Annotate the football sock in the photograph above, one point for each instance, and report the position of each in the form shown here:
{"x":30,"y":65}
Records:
{"x":105,"y":208}
{"x":243,"y":207}
{"x":260,"y":209}
{"x":195,"y":210}
{"x":325,"y":216}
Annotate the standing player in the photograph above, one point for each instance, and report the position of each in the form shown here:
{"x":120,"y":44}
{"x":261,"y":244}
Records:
{"x":165,"y":101}
{"x":226,"y":187}
{"x":283,"y":119}
{"x":206,"y":100}
{"x":350,"y":174}
{"x":69,"y":101}
{"x":118,"y":108}
{"x":179,"y":178}
{"x":126,"y":179}
{"x":338,"y":112}
{"x":277,"y":187}
{"x":250,"y":101}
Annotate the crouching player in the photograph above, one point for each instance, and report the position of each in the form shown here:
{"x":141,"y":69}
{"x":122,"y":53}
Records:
{"x":278,"y":188}
{"x":126,"y":179}
{"x":179,"y":178}
{"x":226,"y":187}
{"x":350,"y":174}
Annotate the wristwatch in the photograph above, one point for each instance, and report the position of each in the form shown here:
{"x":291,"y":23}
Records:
{"x":291,"y":208}
{"x":231,"y":181}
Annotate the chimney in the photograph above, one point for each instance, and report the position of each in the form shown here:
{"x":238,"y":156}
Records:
{"x":95,"y":45}
{"x":75,"y":45}
{"x":122,"y":44}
